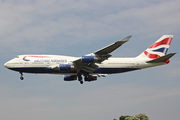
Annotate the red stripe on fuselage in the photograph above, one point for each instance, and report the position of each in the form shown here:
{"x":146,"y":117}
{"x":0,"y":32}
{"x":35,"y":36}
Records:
{"x":37,"y":56}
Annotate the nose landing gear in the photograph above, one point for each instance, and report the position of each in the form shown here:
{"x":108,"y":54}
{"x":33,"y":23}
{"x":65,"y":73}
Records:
{"x":22,"y":78}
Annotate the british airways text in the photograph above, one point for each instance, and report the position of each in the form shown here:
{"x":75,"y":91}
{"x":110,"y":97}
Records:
{"x":50,"y":60}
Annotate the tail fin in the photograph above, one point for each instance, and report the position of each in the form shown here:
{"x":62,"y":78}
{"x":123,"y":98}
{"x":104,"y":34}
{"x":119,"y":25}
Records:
{"x":158,"y":49}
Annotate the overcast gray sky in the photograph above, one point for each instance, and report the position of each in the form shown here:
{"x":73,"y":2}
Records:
{"x":79,"y":27}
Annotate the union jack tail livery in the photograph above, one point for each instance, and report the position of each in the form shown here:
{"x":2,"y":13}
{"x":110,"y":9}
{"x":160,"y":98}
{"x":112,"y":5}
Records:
{"x":158,"y":49}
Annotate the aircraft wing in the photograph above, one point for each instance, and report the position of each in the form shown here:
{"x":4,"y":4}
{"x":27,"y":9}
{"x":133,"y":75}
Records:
{"x":87,"y":63}
{"x":103,"y":53}
{"x":112,"y":47}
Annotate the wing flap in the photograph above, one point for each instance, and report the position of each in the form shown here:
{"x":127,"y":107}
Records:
{"x":89,"y":68}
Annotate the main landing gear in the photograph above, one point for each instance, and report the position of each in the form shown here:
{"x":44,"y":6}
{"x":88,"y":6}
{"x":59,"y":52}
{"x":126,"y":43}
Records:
{"x":86,"y":78}
{"x":80,"y":79}
{"x":22,"y":78}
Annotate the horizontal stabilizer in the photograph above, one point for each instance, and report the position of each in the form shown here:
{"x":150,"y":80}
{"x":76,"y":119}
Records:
{"x":162,"y":59}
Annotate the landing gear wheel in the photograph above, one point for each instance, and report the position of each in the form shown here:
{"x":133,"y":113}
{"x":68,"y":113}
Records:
{"x":81,"y":82}
{"x":22,"y":78}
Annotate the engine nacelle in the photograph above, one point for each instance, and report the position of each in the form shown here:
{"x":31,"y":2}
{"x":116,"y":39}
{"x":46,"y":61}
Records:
{"x":65,"y":67}
{"x":88,"y":59}
{"x":70,"y":77}
{"x":62,"y":67}
{"x":90,"y":78}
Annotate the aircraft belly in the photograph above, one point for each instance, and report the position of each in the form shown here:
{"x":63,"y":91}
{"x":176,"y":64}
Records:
{"x":39,"y":70}
{"x":47,"y":70}
{"x":113,"y":70}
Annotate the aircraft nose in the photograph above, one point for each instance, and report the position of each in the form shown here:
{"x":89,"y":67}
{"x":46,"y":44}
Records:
{"x":6,"y":65}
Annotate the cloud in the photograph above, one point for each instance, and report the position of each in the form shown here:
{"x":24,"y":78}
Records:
{"x":41,"y":24}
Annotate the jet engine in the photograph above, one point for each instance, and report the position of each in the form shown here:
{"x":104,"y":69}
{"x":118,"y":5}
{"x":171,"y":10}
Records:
{"x":63,"y":67}
{"x":88,"y":59}
{"x":70,"y":77}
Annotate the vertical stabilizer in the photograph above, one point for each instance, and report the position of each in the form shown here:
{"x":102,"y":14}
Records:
{"x":158,"y":49}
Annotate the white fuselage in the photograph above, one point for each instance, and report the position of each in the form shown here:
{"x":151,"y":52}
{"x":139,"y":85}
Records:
{"x":41,"y":64}
{"x":93,"y":65}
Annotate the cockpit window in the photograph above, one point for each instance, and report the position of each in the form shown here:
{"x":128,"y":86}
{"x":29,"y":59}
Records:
{"x":17,"y":57}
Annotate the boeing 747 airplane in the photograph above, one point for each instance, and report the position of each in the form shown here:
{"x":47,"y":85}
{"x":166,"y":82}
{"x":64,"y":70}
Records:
{"x":95,"y":64}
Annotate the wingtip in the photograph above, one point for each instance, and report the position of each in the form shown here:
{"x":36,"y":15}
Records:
{"x":130,"y":36}
{"x":127,"y":38}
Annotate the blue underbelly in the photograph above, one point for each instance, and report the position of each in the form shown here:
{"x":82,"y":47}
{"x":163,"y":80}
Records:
{"x":98,"y":70}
